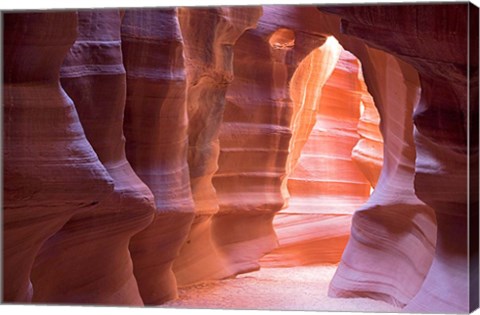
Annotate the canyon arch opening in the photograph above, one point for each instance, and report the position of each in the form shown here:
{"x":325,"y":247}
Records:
{"x":336,"y":156}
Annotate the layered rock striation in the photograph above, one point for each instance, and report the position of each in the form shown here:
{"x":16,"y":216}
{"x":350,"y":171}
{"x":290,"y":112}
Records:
{"x":257,"y":130}
{"x":155,"y":127}
{"x":326,"y":186}
{"x":208,"y":64}
{"x":94,"y":77}
{"x":150,"y":148}
{"x":51,"y":172}
{"x":439,"y":54}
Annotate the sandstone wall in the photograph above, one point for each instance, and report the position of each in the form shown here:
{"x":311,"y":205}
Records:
{"x":51,"y":171}
{"x":257,"y":129}
{"x":94,"y":77}
{"x":155,"y":126}
{"x":196,"y":117}
{"x":438,"y":53}
{"x":209,"y":36}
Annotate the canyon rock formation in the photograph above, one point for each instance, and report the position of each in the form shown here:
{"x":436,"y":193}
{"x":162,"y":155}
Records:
{"x":326,"y":185}
{"x":259,"y":126}
{"x":155,"y":128}
{"x":443,"y":149}
{"x":147,"y":149}
{"x":97,"y":239}
{"x":208,"y":62}
{"x":51,"y":171}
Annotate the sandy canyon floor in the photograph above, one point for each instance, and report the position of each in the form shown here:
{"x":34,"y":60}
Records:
{"x":297,"y":288}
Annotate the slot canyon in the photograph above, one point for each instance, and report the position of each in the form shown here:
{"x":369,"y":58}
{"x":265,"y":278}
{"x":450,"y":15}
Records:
{"x":247,"y":157}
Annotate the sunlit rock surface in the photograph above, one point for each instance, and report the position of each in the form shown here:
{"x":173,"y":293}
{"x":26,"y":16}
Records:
{"x":326,"y":185}
{"x":257,"y":130}
{"x":368,"y":152}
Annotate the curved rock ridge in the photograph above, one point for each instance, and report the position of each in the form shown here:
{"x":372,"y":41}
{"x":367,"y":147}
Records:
{"x":376,"y":241}
{"x":306,"y":88}
{"x":94,"y":77}
{"x":257,"y":130}
{"x":439,"y":54}
{"x":326,"y":186}
{"x":393,"y":223}
{"x":209,"y":36}
{"x":155,"y":128}
{"x":368,"y":152}
{"x":51,"y":171}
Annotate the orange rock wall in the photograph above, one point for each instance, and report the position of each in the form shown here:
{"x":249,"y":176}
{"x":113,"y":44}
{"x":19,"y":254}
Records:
{"x":326,"y":185}
{"x":368,"y":152}
{"x":215,"y":118}
{"x":209,"y":67}
{"x":257,"y":131}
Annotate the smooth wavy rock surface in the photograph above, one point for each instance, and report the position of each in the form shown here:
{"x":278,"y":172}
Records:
{"x":94,"y":77}
{"x":393,"y":223}
{"x":257,"y":130}
{"x":209,"y":35}
{"x":155,"y":128}
{"x":326,"y":186}
{"x":368,"y":152}
{"x":51,"y":171}
{"x":151,"y":149}
{"x":440,"y":133}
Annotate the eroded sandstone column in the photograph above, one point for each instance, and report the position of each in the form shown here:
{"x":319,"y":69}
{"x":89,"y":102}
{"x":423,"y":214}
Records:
{"x":256,"y":132}
{"x":155,"y":127}
{"x":393,"y":222}
{"x":446,"y":136}
{"x":50,"y":170}
{"x":209,"y":35}
{"x":439,"y":54}
{"x":394,"y":230}
{"x":88,"y":260}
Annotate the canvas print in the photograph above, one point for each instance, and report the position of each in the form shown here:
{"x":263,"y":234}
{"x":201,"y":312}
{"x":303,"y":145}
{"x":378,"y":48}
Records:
{"x":269,"y":157}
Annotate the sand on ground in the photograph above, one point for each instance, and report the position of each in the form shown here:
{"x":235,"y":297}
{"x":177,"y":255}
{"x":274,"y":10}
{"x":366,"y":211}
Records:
{"x":294,"y":289}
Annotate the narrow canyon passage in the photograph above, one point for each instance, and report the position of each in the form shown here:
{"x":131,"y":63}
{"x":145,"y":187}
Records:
{"x":340,"y":160}
{"x":260,"y":157}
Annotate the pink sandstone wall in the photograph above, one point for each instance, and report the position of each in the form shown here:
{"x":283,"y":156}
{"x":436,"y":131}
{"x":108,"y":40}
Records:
{"x":213,"y":126}
{"x":208,"y":62}
{"x":155,"y":128}
{"x":97,"y":239}
{"x":440,"y":136}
